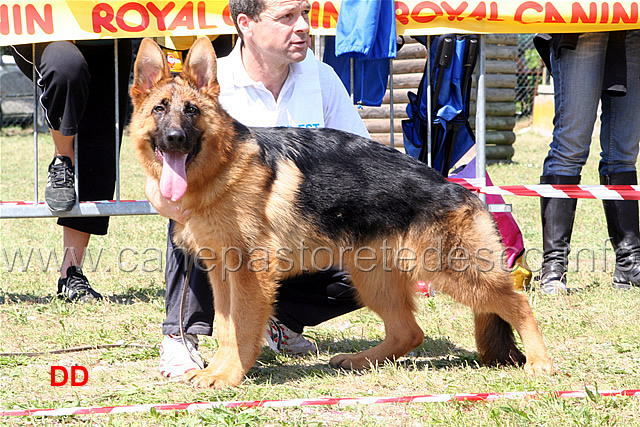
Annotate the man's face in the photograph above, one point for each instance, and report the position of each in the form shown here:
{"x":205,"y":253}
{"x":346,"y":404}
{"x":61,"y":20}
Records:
{"x":283,"y":30}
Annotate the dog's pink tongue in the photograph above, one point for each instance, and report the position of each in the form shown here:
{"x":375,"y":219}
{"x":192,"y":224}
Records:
{"x":173,"y":182}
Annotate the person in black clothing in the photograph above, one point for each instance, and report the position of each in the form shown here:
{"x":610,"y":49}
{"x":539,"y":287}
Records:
{"x":77,"y":81}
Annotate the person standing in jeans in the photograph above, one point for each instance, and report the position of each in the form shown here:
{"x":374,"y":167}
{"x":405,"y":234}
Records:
{"x":588,"y":69}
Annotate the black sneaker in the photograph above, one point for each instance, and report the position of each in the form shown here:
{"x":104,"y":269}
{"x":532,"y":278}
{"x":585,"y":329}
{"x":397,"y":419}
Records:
{"x":76,"y":287}
{"x":60,"y":193}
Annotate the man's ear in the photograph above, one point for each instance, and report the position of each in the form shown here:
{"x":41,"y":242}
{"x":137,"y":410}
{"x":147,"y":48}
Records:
{"x":243,"y":23}
{"x":200,"y":67}
{"x":150,"y":67}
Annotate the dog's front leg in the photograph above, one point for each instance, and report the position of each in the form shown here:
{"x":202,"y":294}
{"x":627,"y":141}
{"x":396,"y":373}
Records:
{"x":243,"y":303}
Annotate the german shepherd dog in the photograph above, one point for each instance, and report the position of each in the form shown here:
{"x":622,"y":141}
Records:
{"x":291,"y":200}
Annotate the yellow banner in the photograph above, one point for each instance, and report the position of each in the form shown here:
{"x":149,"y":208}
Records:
{"x":30,"y":21}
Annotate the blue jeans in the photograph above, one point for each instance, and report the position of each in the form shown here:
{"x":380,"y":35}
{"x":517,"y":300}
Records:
{"x":577,"y":79}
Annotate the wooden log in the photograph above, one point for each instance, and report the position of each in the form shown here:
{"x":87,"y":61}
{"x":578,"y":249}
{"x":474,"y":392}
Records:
{"x":400,"y":96}
{"x":496,"y":122}
{"x":496,"y":109}
{"x":384,"y":138}
{"x":506,"y":39}
{"x":499,"y":152}
{"x":500,"y":80}
{"x":501,"y":52}
{"x":399,"y":111}
{"x":412,"y":50}
{"x":493,"y":94}
{"x":500,"y":137}
{"x":382,"y":125}
{"x":406,"y":81}
{"x":501,"y":66}
{"x":410,"y":65}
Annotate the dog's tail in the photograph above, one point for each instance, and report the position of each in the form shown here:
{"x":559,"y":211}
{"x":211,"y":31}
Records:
{"x":495,"y":341}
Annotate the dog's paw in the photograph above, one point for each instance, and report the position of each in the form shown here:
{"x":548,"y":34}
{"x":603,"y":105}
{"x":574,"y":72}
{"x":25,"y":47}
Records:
{"x":202,"y":378}
{"x":350,"y":362}
{"x":539,"y":366}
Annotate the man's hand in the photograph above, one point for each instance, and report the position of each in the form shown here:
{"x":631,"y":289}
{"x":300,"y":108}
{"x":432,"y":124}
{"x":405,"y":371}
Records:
{"x":165,"y":207}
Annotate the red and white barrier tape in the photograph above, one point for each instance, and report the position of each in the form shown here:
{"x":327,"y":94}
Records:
{"x":345,"y":401}
{"x":601,"y":192}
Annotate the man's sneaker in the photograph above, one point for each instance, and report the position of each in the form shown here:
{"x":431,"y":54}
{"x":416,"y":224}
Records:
{"x":175,"y":359}
{"x":60,"y":193}
{"x":76,"y":287}
{"x":283,"y":340}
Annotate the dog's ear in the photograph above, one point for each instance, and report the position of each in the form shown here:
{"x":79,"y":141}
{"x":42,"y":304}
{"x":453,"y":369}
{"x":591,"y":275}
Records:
{"x":151,"y":66}
{"x":200,"y":66}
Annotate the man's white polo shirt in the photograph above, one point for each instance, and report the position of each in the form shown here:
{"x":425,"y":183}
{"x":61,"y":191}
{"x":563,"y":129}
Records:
{"x":312,"y":96}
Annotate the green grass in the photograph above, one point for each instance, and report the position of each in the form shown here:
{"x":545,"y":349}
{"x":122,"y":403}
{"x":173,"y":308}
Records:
{"x":593,"y":336}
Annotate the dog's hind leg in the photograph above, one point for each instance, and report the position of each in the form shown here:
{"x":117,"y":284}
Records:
{"x":473,"y":276}
{"x":392,"y":298}
{"x":494,"y":336}
{"x":497,"y":308}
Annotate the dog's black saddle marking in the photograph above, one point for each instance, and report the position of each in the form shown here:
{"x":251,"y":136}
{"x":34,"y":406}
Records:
{"x":356,"y":188}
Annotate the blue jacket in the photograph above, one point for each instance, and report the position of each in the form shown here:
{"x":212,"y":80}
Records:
{"x":366,"y":32}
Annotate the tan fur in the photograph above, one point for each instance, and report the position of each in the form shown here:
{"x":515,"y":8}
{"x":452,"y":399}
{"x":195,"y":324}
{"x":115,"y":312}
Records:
{"x":233,"y":207}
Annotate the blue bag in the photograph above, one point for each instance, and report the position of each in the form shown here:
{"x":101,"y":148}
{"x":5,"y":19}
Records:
{"x":453,"y":59}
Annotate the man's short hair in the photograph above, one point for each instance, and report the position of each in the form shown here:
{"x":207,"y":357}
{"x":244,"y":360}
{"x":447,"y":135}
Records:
{"x":251,"y":8}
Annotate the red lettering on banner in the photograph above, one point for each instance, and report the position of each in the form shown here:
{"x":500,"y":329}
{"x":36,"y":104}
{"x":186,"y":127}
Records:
{"x":551,"y":15}
{"x":493,"y":12}
{"x":4,"y":19}
{"x":525,"y":6}
{"x":480,"y":12}
{"x":226,"y":15}
{"x":605,"y":13}
{"x":314,"y":14}
{"x":330,"y":12}
{"x":402,"y":13}
{"x":579,"y":14}
{"x":32,"y":16}
{"x":101,"y":17}
{"x":17,"y":19}
{"x":415,"y":13}
{"x":202,"y":16}
{"x":184,"y":18}
{"x":454,"y":13}
{"x":619,"y":14}
{"x":132,"y":7}
{"x":160,"y":14}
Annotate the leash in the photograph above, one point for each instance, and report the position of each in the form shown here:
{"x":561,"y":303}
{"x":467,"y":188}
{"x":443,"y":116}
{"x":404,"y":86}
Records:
{"x":74,"y":349}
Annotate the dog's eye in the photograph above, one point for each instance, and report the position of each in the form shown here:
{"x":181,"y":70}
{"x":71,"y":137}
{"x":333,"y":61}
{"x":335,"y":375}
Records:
{"x":191,"y":109}
{"x":158,"y":109}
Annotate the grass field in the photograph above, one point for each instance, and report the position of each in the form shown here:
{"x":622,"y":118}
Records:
{"x":593,"y":336}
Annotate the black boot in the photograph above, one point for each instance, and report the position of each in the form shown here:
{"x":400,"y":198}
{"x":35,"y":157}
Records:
{"x":622,"y":223}
{"x":557,"y":225}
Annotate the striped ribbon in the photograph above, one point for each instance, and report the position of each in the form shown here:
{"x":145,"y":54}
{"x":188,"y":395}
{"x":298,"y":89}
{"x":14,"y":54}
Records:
{"x":601,"y":192}
{"x":326,"y":401}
